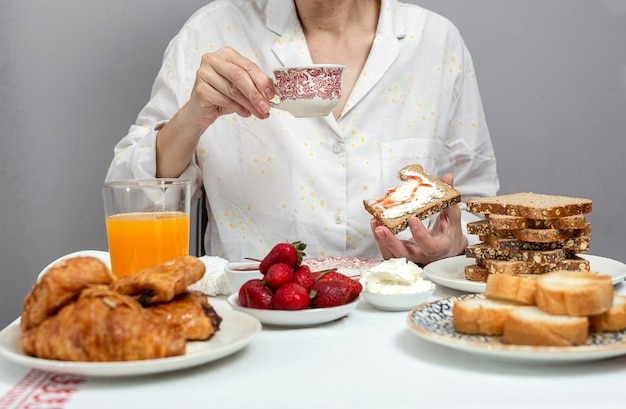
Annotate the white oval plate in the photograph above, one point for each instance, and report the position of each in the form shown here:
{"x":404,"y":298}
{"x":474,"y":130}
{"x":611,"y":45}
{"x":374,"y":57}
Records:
{"x":449,"y":272}
{"x":100,"y":255}
{"x":236,"y":331}
{"x":300,"y":318}
{"x":433,"y":322}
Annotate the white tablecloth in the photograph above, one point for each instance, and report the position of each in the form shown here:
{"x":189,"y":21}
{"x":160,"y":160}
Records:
{"x":370,"y":359}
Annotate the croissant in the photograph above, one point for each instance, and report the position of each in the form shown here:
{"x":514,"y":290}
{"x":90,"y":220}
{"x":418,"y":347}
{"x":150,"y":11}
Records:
{"x":61,"y":284}
{"x":100,"y":326}
{"x":161,"y":282}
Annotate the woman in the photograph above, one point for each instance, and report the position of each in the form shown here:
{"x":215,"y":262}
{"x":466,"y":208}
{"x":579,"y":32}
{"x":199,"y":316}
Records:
{"x":409,"y":96}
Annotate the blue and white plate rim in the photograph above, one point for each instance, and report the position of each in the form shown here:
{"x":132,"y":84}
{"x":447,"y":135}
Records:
{"x":433,"y":322}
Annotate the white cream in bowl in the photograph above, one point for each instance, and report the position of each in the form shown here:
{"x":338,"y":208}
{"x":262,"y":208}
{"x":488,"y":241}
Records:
{"x":394,"y":276}
{"x":396,"y":285}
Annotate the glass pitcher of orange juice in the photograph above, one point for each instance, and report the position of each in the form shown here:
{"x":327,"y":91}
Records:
{"x":147,"y":222}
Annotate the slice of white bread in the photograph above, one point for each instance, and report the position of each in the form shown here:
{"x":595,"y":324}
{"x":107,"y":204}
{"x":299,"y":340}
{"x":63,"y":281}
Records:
{"x":576,"y":293}
{"x":531,"y":205}
{"x":511,"y":288}
{"x":532,"y":326}
{"x":481,"y":316}
{"x":412,"y":204}
{"x":612,"y":320}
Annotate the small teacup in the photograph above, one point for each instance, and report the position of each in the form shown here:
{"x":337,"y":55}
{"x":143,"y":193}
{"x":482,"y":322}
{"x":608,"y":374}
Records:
{"x":308,"y":90}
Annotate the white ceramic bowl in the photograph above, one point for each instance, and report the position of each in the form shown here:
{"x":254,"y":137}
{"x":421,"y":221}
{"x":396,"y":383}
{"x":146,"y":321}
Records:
{"x":299,"y":318}
{"x":397,"y":302}
{"x":237,"y":273}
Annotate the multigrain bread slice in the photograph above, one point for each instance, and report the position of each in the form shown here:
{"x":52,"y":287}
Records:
{"x":506,"y":222}
{"x":532,"y":326}
{"x":510,"y":288}
{"x":612,"y":320}
{"x":542,"y":235}
{"x":508,"y":267}
{"x":480,"y":227}
{"x":516,"y":267}
{"x":531,"y":205}
{"x":421,"y":195}
{"x":577,"y":221}
{"x":482,"y":250}
{"x":576,"y":245}
{"x":576,"y":293}
{"x":549,"y":235}
{"x":474,"y":272}
{"x":575,"y":263}
{"x":481,"y":316}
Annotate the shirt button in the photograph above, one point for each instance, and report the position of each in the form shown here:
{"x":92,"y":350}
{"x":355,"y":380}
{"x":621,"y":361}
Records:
{"x":338,"y":218}
{"x":338,"y":147}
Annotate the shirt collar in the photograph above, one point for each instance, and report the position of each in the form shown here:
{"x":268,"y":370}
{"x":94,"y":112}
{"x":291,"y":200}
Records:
{"x":281,"y":17}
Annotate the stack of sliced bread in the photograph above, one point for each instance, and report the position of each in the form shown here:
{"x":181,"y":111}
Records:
{"x":559,"y":308}
{"x":528,"y":233}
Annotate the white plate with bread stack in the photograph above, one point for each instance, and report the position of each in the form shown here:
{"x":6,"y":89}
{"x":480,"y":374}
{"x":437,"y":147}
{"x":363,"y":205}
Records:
{"x":449,"y":272}
{"x":526,"y":234}
{"x":561,"y":316}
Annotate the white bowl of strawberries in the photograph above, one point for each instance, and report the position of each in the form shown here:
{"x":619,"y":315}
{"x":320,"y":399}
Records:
{"x":289,"y":294}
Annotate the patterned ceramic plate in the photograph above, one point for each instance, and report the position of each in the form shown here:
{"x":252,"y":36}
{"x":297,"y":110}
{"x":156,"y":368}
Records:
{"x":350,"y":266}
{"x":433,"y":322}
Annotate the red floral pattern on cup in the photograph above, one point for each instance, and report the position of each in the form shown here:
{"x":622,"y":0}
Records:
{"x":309,"y":83}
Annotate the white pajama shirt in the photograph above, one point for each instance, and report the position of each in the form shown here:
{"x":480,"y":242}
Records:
{"x":286,"y":179}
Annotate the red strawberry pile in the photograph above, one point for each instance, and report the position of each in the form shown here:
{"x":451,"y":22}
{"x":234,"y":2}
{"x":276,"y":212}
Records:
{"x":289,"y":285}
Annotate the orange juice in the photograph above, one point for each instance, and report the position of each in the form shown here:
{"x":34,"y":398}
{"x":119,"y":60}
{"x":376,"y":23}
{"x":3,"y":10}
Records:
{"x":139,"y":240}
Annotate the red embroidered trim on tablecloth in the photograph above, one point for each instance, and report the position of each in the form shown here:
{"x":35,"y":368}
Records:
{"x":41,"y":390}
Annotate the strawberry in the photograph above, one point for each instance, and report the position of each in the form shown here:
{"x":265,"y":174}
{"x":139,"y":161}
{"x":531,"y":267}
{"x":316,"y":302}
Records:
{"x":354,"y":285}
{"x":288,"y":253}
{"x":277,"y":275}
{"x":243,"y":298}
{"x":253,"y":294}
{"x":291,"y":296}
{"x":304,"y":277}
{"x":330,"y":293}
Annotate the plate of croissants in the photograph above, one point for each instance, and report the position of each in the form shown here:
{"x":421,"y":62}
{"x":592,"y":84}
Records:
{"x":79,"y":319}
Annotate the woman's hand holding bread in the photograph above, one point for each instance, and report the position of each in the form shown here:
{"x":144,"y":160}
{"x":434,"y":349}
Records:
{"x":444,"y":239}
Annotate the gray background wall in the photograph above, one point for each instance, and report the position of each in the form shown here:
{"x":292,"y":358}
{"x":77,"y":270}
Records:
{"x":74,"y":74}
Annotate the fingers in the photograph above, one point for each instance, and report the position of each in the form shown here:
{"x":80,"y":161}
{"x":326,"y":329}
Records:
{"x":458,"y":241}
{"x":208,"y":95}
{"x":248,"y":85}
{"x":423,"y":238}
{"x":382,"y":236}
{"x":228,"y":82}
